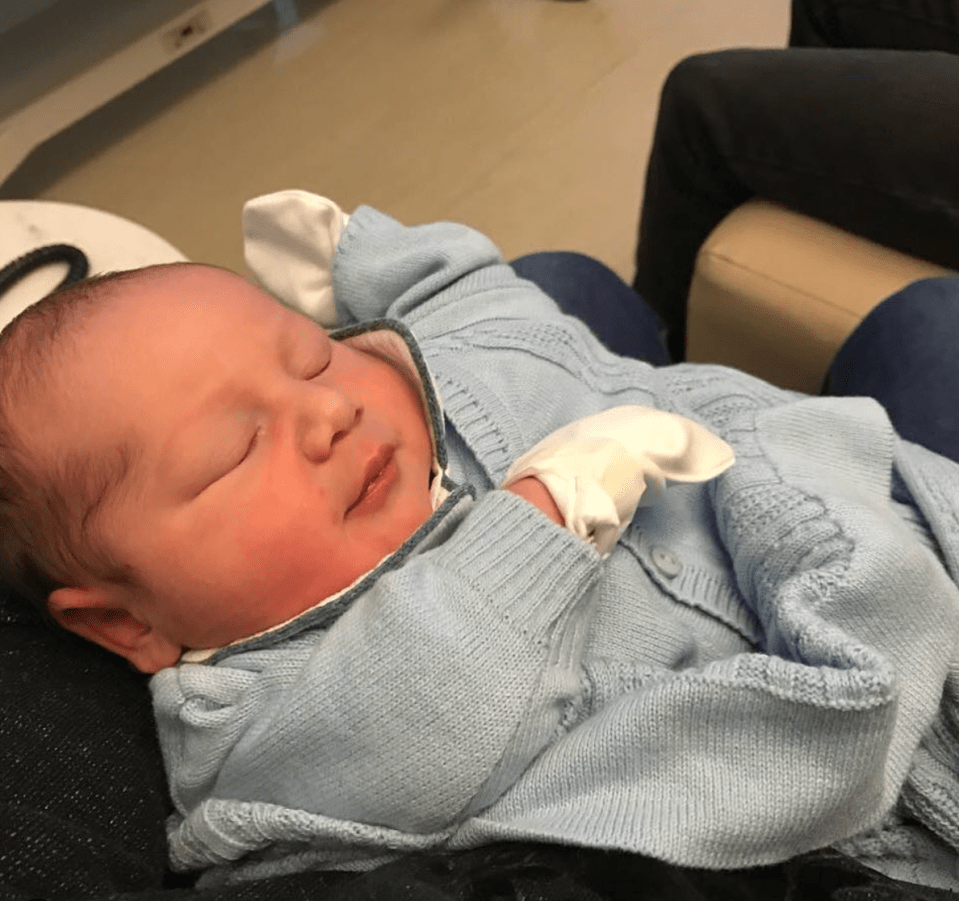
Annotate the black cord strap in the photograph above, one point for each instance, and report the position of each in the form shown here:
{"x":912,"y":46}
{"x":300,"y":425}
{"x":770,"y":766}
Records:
{"x":22,"y":266}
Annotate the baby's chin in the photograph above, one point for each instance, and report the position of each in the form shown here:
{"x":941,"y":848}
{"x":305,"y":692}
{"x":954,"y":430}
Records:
{"x":288,"y":594}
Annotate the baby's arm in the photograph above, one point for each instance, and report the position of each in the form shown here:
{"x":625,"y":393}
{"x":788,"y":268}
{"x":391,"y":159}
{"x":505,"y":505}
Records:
{"x":299,"y":244}
{"x":428,"y":695}
{"x":597,"y":470}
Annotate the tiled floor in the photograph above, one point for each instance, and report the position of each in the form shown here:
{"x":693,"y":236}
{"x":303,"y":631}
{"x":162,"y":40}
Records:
{"x":529,"y":119}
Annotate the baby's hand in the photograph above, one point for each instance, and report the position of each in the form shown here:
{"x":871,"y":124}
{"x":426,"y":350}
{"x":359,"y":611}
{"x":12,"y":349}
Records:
{"x":289,"y":241}
{"x":597,"y":470}
{"x":533,"y":490}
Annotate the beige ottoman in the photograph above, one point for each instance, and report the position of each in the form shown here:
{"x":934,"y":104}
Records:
{"x":775,"y":293}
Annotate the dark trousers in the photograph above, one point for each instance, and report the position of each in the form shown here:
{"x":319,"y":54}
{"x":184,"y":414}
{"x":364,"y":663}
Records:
{"x":856,"y":124}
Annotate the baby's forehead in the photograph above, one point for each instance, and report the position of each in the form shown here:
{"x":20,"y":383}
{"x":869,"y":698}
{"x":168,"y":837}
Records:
{"x":200,"y":301}
{"x":191,"y":283}
{"x":138,"y":336}
{"x":158,"y":308}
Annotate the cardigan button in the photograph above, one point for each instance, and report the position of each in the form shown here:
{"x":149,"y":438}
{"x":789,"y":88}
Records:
{"x":667,"y":562}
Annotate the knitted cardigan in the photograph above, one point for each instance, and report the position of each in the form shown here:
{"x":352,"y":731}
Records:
{"x":763,"y":665}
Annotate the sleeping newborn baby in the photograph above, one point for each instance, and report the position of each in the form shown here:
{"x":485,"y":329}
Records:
{"x":453,"y":573}
{"x":240,"y":466}
{"x":273,"y":467}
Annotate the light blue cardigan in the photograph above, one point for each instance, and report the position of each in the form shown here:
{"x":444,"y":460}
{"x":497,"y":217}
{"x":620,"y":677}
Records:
{"x":755,"y":671}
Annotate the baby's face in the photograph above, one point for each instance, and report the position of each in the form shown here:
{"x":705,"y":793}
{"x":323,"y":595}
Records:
{"x":272,"y":467}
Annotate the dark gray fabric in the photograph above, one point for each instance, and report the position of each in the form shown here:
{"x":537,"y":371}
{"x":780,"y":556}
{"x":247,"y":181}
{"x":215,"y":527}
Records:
{"x":83,"y":795}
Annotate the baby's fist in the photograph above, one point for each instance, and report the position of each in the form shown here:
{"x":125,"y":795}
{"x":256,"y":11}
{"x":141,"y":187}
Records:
{"x":599,"y":469}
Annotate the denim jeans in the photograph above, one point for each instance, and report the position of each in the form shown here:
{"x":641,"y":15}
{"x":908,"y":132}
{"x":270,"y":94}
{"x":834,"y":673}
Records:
{"x":859,"y":129}
{"x":904,"y":354}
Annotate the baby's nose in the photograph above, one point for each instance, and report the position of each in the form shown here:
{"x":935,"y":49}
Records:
{"x":327,"y":415}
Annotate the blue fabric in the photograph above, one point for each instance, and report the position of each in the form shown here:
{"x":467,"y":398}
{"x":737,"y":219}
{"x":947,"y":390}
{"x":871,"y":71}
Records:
{"x":584,"y":287}
{"x":754,"y":671}
{"x":905,"y":354}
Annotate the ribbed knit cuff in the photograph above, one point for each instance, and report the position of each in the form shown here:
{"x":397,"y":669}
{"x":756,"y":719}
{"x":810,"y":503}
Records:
{"x":531,"y":569}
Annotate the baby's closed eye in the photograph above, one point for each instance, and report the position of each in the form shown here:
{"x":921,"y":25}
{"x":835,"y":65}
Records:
{"x":251,"y":444}
{"x":232,"y":461}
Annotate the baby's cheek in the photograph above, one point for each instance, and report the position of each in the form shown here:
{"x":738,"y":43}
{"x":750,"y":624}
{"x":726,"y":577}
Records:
{"x":277,"y":542}
{"x":420,"y":511}
{"x":298,"y":560}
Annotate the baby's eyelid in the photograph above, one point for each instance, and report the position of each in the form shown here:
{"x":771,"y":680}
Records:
{"x":253,"y":442}
{"x":318,"y":369}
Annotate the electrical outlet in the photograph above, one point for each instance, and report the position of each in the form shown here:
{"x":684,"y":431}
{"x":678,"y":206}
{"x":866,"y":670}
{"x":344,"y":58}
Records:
{"x":190,"y":31}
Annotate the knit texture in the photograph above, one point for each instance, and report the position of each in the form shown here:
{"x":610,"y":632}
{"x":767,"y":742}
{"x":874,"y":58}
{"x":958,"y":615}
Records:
{"x":757,"y":670}
{"x":82,"y":789}
{"x":84,"y":804}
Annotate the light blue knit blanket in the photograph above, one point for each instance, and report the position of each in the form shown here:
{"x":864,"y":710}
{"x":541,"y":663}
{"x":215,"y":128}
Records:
{"x":764,"y":665}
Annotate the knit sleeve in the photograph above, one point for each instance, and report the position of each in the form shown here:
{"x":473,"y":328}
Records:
{"x":436,"y":278}
{"x":421,"y":703}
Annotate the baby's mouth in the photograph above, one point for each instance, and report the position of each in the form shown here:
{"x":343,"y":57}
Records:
{"x":378,"y":478}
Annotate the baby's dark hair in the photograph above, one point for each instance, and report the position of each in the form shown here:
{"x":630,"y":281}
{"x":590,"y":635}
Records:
{"x":48,"y":515}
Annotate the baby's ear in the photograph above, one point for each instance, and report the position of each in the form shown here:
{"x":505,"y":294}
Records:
{"x":97,"y":615}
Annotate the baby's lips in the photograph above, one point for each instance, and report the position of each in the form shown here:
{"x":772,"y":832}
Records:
{"x":375,"y":464}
